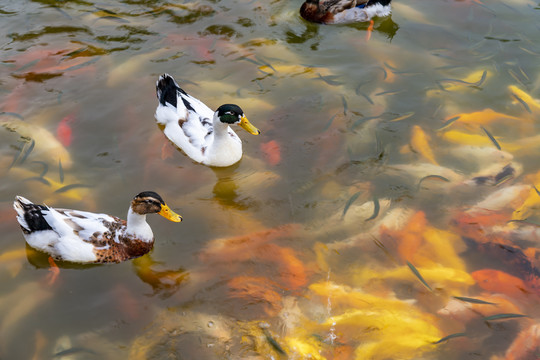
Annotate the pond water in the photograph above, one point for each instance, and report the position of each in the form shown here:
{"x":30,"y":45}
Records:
{"x":389,"y":202}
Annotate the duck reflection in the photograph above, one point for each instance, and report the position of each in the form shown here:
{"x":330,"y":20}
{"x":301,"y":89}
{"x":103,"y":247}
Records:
{"x":226,"y":189}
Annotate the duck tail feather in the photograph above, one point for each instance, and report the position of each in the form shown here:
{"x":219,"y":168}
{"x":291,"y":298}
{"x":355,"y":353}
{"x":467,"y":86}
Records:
{"x":375,"y":2}
{"x":167,"y":90}
{"x":30,"y":215}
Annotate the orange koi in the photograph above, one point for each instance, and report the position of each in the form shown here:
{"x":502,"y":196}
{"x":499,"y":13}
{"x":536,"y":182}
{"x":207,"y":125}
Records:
{"x":291,"y":270}
{"x":126,"y":303}
{"x":167,"y":150}
{"x":272,"y":152}
{"x":242,"y":247}
{"x":63,"y":131}
{"x":525,"y":345}
{"x":54,"y":271}
{"x":256,"y":290}
{"x":410,"y":238}
{"x":500,"y":282}
{"x":369,"y":30}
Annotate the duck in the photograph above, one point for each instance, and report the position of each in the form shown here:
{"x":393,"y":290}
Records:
{"x":86,"y":237}
{"x":203,"y":134}
{"x":344,"y":11}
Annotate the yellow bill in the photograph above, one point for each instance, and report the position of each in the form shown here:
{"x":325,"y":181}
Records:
{"x":246,"y":125}
{"x":167,"y":213}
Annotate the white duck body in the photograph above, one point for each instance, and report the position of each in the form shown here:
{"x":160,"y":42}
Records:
{"x":357,"y":14}
{"x":195,"y":128}
{"x":85,"y":237}
{"x":344,"y":11}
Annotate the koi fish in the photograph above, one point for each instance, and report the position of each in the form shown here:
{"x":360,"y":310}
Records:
{"x":272,"y":152}
{"x":497,"y":281}
{"x":63,"y":131}
{"x":420,"y":144}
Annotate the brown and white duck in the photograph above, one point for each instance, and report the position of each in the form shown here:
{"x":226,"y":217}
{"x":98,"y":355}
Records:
{"x":85,"y":237}
{"x":344,"y":11}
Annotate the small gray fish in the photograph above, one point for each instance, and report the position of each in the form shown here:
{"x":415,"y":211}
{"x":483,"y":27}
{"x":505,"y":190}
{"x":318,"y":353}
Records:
{"x":45,"y":167}
{"x":504,"y":316}
{"x":363,"y":120}
{"x":349,"y":203}
{"x":60,"y":171}
{"x":493,"y":140}
{"x":28,"y":150}
{"x":39,"y":179}
{"x":329,"y":123}
{"x":524,"y":221}
{"x":530,"y":52}
{"x":473,"y":301}
{"x":70,"y":187}
{"x":516,"y":77}
{"x":73,"y":350}
{"x":523,"y":103}
{"x":250,"y":60}
{"x":429,"y":177}
{"x":345,"y":106}
{"x":403,"y":117}
{"x":18,"y":116}
{"x":381,"y":246}
{"x":472,"y":84}
{"x":264,"y":62}
{"x":329,"y":79}
{"x":389,"y":92}
{"x":376,"y":209}
{"x":273,"y":342}
{"x":448,"y":337}
{"x":418,"y":275}
{"x":366,"y":97}
{"x":448,"y":122}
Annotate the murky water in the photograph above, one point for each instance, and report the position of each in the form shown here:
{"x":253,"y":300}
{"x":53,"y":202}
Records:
{"x":374,"y":196}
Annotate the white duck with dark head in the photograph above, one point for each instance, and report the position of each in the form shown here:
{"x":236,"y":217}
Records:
{"x":203,"y":134}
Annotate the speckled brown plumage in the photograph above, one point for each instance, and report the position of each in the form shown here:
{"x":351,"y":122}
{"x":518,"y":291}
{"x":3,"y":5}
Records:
{"x":126,"y":248}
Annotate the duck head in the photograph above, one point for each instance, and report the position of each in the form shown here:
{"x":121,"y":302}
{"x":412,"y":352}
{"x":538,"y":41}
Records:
{"x":311,"y":11}
{"x":149,"y":202}
{"x":233,"y":114}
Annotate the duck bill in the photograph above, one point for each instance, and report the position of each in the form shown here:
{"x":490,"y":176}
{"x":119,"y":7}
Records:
{"x":246,"y":125}
{"x":168,"y":214}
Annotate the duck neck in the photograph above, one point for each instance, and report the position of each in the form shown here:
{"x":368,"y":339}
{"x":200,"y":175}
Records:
{"x":138,"y":227}
{"x":220,"y":130}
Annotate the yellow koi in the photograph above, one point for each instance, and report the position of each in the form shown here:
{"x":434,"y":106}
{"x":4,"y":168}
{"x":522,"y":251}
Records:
{"x":527,"y":98}
{"x":420,"y":144}
{"x":486,"y":116}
